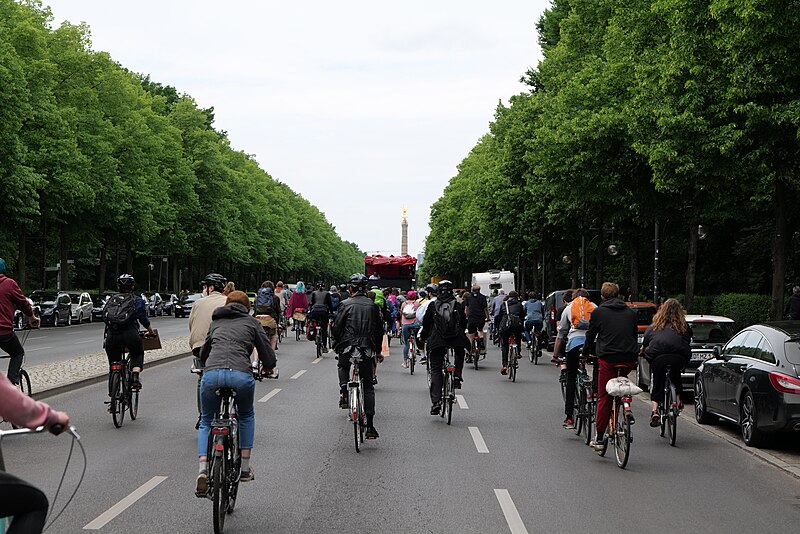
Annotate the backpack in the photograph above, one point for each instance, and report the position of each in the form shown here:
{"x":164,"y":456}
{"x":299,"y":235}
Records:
{"x":446,"y":318}
{"x":264,"y":298}
{"x":511,"y":323}
{"x":408,"y":311}
{"x":581,"y":311}
{"x":120,"y":310}
{"x":335,"y":300}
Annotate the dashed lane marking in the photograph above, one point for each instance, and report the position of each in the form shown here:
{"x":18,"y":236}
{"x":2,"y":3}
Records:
{"x":513,"y":519}
{"x":461,"y":402}
{"x":87,"y":341}
{"x":38,"y":348}
{"x":316,"y":361}
{"x":269,"y":395}
{"x":478,"y":439}
{"x":104,"y":518}
{"x":298,"y":374}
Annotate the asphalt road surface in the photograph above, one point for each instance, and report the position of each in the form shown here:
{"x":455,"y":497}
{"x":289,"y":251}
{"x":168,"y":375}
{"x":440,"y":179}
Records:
{"x":505,"y":464}
{"x":52,"y":344}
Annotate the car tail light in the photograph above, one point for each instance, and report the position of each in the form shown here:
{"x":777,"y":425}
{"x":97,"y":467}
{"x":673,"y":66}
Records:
{"x":553,"y":313}
{"x":785,"y":383}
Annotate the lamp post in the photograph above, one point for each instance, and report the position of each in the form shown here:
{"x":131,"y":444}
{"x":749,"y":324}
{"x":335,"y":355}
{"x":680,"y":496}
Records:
{"x":612,"y":250}
{"x":655,"y":266}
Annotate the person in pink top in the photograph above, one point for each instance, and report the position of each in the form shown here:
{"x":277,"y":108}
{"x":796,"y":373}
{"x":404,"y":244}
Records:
{"x":298,"y":301}
{"x":25,"y":502}
{"x":408,"y":318}
{"x":12,"y":298}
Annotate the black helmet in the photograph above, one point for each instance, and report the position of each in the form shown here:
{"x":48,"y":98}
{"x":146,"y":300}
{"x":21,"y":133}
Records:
{"x":126,"y":282}
{"x":320,"y":285}
{"x":342,"y":287}
{"x":216,"y":280}
{"x":431,"y":289}
{"x":359,"y":281}
{"x":445,"y":287}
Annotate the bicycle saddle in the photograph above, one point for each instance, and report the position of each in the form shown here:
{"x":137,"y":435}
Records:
{"x":225,"y":392}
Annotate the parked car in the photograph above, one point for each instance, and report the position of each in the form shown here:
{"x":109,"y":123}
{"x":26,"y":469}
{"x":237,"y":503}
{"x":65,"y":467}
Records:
{"x":81,"y":307}
{"x":170,"y":299}
{"x":708,"y":332}
{"x":184,"y":305}
{"x":155,"y":305}
{"x":55,"y":307}
{"x":553,"y":306}
{"x":753,"y":381}
{"x":98,"y":303}
{"x":20,"y":321}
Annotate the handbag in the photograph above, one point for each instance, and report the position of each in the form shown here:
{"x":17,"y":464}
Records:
{"x":150,"y":342}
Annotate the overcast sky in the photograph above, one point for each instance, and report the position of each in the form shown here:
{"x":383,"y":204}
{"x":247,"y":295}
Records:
{"x":361,"y":107}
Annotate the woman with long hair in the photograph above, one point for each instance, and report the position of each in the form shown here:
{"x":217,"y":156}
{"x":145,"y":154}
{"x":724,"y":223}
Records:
{"x":298,"y":302}
{"x":666,"y":344}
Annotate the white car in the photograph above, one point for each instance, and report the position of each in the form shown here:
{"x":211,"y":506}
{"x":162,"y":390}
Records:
{"x":81,"y":307}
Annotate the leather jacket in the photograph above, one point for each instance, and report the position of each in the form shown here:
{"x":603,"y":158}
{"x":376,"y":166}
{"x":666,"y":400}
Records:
{"x":358,"y":324}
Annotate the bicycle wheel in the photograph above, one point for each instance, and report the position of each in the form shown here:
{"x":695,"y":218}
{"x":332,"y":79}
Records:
{"x":580,"y":410}
{"x":133,"y":404}
{"x":672,"y":415}
{"x":590,"y":407}
{"x":663,"y":408}
{"x":362,"y":417}
{"x":622,"y":436}
{"x":236,"y":463}
{"x":354,"y":415}
{"x":24,"y":383}
{"x":117,"y":400}
{"x":562,"y":379}
{"x":512,"y":366}
{"x":219,"y":492}
{"x":477,"y":357}
{"x":319,"y":346}
{"x":412,"y":359}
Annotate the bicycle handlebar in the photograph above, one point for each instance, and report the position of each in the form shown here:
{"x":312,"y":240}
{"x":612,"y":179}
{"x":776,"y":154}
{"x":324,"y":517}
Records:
{"x":55,"y":429}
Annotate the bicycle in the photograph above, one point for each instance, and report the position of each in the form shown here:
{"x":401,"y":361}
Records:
{"x":619,"y":426}
{"x":355,"y":396}
{"x":314,"y":326}
{"x":669,"y":410}
{"x":197,"y":369}
{"x":448,"y":386}
{"x":299,"y":321}
{"x":120,"y":390}
{"x":474,"y":355}
{"x":534,"y":347}
{"x":513,"y":357}
{"x":24,"y":384}
{"x":585,"y":402}
{"x":412,"y":349}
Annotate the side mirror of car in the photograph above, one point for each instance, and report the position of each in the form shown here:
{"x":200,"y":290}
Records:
{"x":717,"y":351}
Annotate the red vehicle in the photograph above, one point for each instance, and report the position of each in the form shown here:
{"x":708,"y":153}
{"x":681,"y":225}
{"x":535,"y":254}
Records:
{"x":391,"y":271}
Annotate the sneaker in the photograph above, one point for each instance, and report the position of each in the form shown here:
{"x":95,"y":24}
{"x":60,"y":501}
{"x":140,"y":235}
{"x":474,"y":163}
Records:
{"x":457,"y":381}
{"x":372,"y":433}
{"x":246,"y":476}
{"x":343,"y":404}
{"x":201,"y":488}
{"x":655,"y":419}
{"x":325,"y":350}
{"x":423,"y":360}
{"x":504,"y":370}
{"x":436,"y":408}
{"x":598,"y":443}
{"x":136,"y":384}
{"x":374,"y":380}
{"x":568,"y":423}
{"x":405,"y":364}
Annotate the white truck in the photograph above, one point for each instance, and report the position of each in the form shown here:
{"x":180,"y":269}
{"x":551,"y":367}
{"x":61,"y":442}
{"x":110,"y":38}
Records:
{"x":493,"y":280}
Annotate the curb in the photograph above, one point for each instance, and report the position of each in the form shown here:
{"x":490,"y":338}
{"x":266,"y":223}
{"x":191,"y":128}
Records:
{"x":98,"y":378}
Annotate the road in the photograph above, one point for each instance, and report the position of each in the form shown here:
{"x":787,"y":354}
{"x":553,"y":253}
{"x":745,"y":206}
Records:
{"x":420,"y":476}
{"x":53,"y":344}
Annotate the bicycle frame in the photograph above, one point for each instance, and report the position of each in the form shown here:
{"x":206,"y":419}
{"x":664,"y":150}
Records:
{"x":355,"y":391}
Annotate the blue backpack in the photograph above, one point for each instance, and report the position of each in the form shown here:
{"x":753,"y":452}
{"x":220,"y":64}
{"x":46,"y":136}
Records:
{"x":264,"y":297}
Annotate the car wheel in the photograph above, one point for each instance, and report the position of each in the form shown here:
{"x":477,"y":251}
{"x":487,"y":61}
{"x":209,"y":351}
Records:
{"x":91,"y":318}
{"x":69,"y":319}
{"x":701,"y":404}
{"x":748,"y":422}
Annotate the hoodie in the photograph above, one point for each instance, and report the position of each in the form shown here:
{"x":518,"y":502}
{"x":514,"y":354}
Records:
{"x":612,"y":334}
{"x":11,"y":298}
{"x":231,"y":339}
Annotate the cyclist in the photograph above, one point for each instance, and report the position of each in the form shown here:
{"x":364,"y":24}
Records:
{"x":12,"y":298}
{"x":267,"y":303}
{"x":298,"y":302}
{"x":409,"y":324}
{"x":200,"y":316}
{"x":559,"y":356}
{"x":477,"y":312}
{"x":612,"y":338}
{"x":443,"y":328}
{"x":18,"y":498}
{"x":358,"y":326}
{"x":510,"y":321}
{"x":121,"y":313}
{"x":572,"y":328}
{"x":494,"y":309}
{"x":667,"y":343}
{"x":226,"y":358}
{"x":336,"y":298}
{"x":534,"y":316}
{"x":426,"y":297}
{"x":321,"y":310}
{"x":344,"y":294}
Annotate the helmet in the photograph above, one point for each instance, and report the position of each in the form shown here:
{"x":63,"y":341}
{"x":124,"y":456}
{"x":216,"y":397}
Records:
{"x":411,"y":295}
{"x":445,"y":287}
{"x":126,"y":281}
{"x":359,"y":281}
{"x":320,"y":285}
{"x":431,"y":289}
{"x":342,"y":287}
{"x":333,"y":288}
{"x":216,"y":280}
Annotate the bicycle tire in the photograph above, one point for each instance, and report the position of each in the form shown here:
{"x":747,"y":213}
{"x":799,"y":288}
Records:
{"x":443,"y":411}
{"x":580,"y":410}
{"x":219,"y":492}
{"x":476,"y":358}
{"x":662,"y":409}
{"x":412,"y":360}
{"x":133,"y":405}
{"x":622,"y":438}
{"x":362,"y":417}
{"x":590,"y":407}
{"x":319,"y":346}
{"x":25,"y":383}
{"x":297,"y":332}
{"x":672,"y":415}
{"x":117,"y":400}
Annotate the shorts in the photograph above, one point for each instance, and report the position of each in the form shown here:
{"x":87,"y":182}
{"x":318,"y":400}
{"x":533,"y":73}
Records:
{"x":474,"y":325}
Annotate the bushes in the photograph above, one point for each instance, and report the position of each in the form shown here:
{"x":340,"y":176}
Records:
{"x":744,"y":308}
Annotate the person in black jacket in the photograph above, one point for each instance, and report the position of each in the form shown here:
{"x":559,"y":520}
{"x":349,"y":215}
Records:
{"x":321,"y":307}
{"x":438,"y":338}
{"x":793,"y":305}
{"x":612,"y":337}
{"x":667,"y":343}
{"x":358,"y":326}
{"x":513,"y":309}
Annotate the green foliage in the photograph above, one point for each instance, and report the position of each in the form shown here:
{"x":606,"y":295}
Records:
{"x":745,"y":309}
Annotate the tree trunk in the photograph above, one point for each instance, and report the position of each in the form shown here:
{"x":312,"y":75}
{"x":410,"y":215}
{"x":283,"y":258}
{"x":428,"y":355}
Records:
{"x":103,"y":268}
{"x":778,"y":250}
{"x":599,"y":273}
{"x":634,"y":257}
{"x":128,"y":257}
{"x":551,"y":272}
{"x":63,"y":265}
{"x":691,"y":266}
{"x":575,"y":256}
{"x":536,"y":274}
{"x":22,"y":261}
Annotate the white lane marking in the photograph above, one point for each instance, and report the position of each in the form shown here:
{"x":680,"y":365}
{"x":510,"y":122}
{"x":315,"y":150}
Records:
{"x":269,"y":395}
{"x":104,"y":518}
{"x":36,"y":337}
{"x":87,"y":341}
{"x":461,"y":402}
{"x":316,"y":361}
{"x":298,"y":374}
{"x":38,"y":348}
{"x":478,"y":439}
{"x":513,"y":519}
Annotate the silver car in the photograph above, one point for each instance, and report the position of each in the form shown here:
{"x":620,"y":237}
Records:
{"x":81,"y":307}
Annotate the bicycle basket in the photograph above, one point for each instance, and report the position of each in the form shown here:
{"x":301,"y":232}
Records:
{"x":622,"y":387}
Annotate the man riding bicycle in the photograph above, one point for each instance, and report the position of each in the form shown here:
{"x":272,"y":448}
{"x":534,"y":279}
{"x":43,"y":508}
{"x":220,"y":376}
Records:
{"x":12,"y":298}
{"x":200,"y":316}
{"x":534,"y":317}
{"x":321,"y":307}
{"x":121,"y":314}
{"x":408,"y":322}
{"x":358,"y":327}
{"x":477,"y":312}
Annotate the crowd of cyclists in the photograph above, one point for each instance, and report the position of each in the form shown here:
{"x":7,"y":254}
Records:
{"x":228,"y":335}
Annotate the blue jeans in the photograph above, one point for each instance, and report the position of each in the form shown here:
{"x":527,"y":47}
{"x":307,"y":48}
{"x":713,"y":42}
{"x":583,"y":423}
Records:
{"x":408,"y":331}
{"x":528,"y":325}
{"x":245,"y":386}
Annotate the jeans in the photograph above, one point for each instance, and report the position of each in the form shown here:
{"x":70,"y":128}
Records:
{"x":604,"y":400}
{"x":408,"y":331}
{"x":10,"y":343}
{"x":117,"y":341}
{"x":245,"y":386}
{"x":535,"y":325}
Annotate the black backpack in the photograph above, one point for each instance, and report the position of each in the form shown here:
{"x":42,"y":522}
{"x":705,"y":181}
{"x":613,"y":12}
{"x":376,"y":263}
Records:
{"x":120,"y":311}
{"x":511,"y":323}
{"x":446,"y":318}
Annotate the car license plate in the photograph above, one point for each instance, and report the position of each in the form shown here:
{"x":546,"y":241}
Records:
{"x":640,"y":339}
{"x":701,"y":356}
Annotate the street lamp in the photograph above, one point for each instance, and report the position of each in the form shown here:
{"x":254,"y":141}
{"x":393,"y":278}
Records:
{"x":702,"y":232}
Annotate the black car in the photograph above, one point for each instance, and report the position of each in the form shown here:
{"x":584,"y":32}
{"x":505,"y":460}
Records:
{"x":169,"y":303}
{"x":55,"y":307}
{"x":184,"y":305}
{"x":553,"y":306}
{"x":98,"y":303}
{"x":754,"y":381}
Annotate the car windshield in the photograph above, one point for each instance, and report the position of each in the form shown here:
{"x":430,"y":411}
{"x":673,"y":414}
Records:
{"x":190,"y":298}
{"x":76,"y":298}
{"x":46,"y":299}
{"x":98,"y":300}
{"x":711,"y":332}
